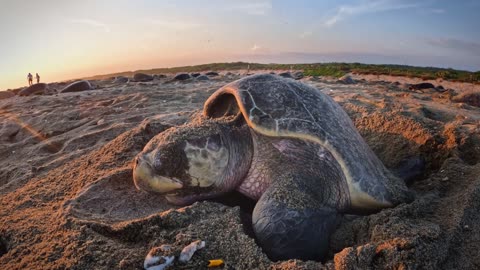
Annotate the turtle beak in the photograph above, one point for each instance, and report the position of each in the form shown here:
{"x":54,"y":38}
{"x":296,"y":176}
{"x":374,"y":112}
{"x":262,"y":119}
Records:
{"x":144,"y":177}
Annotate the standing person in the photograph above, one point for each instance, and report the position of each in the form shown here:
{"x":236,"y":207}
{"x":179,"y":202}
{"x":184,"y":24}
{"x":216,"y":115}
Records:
{"x":38,"y":77}
{"x":30,"y":78}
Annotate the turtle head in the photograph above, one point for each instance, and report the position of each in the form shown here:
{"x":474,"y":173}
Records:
{"x":194,"y":162}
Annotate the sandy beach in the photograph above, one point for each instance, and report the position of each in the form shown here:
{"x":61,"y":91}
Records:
{"x":68,"y":200}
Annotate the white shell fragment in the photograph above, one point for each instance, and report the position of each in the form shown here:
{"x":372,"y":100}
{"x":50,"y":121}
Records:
{"x":188,"y":251}
{"x":157,"y":262}
{"x":154,"y":262}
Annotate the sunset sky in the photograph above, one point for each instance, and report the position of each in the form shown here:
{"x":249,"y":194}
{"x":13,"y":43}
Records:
{"x":62,"y":39}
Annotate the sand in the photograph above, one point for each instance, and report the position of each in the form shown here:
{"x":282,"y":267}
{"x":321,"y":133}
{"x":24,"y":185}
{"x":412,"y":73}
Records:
{"x":68,"y":201}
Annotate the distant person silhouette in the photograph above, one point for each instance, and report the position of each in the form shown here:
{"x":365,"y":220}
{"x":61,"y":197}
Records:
{"x":38,"y":77}
{"x":30,"y":78}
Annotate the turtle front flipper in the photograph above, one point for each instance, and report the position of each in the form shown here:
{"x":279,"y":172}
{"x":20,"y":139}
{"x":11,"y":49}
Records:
{"x":292,"y":220}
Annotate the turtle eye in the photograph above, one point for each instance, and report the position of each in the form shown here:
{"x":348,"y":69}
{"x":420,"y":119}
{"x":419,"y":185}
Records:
{"x":214,"y":143}
{"x":157,"y":164}
{"x":213,"y":146}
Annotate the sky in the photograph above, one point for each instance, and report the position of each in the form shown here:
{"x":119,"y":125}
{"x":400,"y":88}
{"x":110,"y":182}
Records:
{"x":65,"y":39}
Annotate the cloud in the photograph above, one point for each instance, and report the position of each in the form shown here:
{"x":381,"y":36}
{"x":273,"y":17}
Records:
{"x":92,"y":23}
{"x":174,"y":25}
{"x":456,"y":44}
{"x":306,"y":34}
{"x":255,"y":47}
{"x":252,"y":7}
{"x":345,"y":11}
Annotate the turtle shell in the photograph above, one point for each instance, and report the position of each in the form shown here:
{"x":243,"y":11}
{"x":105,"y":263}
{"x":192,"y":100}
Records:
{"x":278,"y":107}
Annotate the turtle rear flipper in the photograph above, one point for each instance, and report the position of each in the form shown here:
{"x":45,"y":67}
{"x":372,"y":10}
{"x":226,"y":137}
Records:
{"x":410,"y":169}
{"x":290,"y":221}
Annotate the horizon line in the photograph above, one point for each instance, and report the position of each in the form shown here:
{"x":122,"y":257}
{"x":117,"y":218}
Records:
{"x":146,"y":70}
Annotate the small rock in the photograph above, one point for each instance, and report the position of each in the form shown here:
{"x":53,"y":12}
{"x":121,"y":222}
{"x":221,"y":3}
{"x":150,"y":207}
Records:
{"x":202,"y":78}
{"x":421,"y":86}
{"x":212,"y":73}
{"x":182,"y":77}
{"x":120,"y":79}
{"x":159,"y":76}
{"x":346,"y":79}
{"x":142,"y":77}
{"x":298,"y":75}
{"x":286,"y":75}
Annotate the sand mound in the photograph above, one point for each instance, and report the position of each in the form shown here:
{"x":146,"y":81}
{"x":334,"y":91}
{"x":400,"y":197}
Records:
{"x":120,"y":79}
{"x":472,"y":98}
{"x":211,"y":73}
{"x":142,"y":77}
{"x":346,"y":79}
{"x":182,"y":77}
{"x":202,"y":78}
{"x":68,"y":199}
{"x":6,"y":94}
{"x":34,"y":89}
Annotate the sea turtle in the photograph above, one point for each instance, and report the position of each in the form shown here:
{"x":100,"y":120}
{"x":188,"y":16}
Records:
{"x":77,"y":86}
{"x":142,"y":77}
{"x":280,"y":142}
{"x":182,"y":77}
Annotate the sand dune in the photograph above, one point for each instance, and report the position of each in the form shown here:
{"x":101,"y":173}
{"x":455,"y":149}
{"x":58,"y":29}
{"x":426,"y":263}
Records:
{"x":68,"y":200}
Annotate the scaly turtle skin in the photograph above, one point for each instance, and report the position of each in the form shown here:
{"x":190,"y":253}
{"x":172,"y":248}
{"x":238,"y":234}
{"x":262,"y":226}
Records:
{"x":282,"y":143}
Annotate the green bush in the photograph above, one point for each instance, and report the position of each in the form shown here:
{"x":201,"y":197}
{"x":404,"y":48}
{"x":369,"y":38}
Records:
{"x":325,"y":69}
